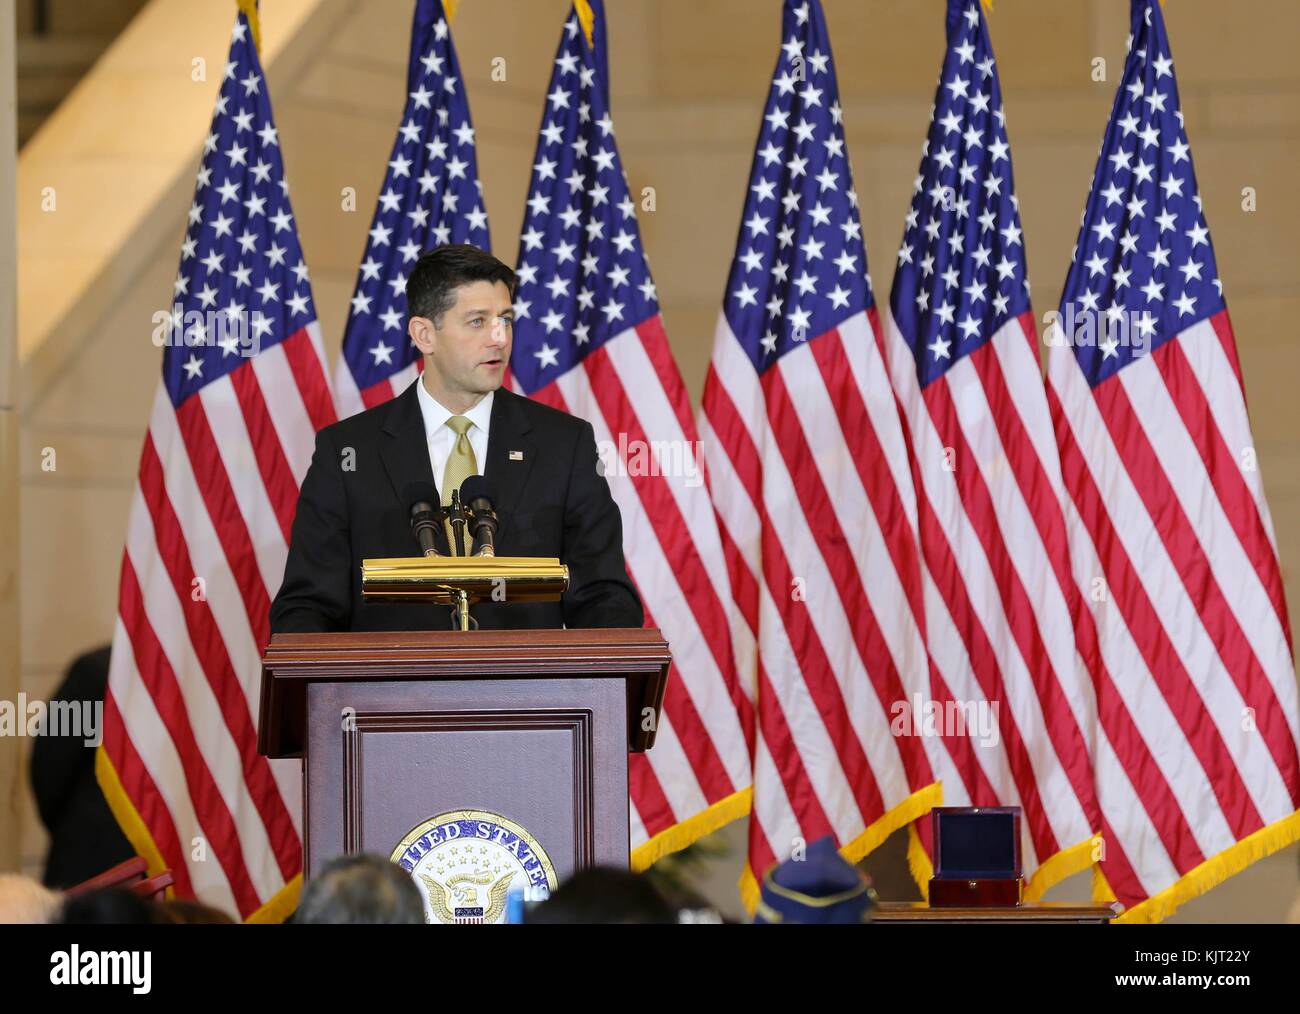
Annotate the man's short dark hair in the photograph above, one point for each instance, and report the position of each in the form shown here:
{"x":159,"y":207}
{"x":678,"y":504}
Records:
{"x":431,"y":289}
{"x":602,"y":895}
{"x":361,"y":889}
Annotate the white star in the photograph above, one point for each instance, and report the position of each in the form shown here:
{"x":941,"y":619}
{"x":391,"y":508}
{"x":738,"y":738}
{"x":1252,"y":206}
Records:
{"x":553,"y":321}
{"x":193,"y":366}
{"x":940,"y":347}
{"x":648,"y":291}
{"x":547,"y":356}
{"x":1121,"y":159}
{"x":1198,"y":234}
{"x":1186,"y":304}
{"x":1172,"y":186}
{"x":1105,"y":230}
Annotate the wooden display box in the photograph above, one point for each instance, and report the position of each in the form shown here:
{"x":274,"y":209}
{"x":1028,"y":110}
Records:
{"x":976,"y":857}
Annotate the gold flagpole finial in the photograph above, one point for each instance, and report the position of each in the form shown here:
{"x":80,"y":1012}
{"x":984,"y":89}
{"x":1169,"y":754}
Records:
{"x":587,"y":17}
{"x":450,"y":7}
{"x":249,"y":7}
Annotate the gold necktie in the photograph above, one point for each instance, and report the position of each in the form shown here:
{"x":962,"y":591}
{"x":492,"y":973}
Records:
{"x":461,"y":464}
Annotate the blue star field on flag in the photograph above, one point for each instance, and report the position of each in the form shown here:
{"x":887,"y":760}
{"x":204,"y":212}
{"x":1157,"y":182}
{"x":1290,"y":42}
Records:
{"x":242,"y":285}
{"x":801,"y":264}
{"x":1143,"y":260}
{"x":961,"y":266}
{"x":431,"y":196}
{"x":583,"y":274}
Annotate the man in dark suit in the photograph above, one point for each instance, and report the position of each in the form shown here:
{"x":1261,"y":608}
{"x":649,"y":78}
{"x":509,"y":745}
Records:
{"x":456,"y":420}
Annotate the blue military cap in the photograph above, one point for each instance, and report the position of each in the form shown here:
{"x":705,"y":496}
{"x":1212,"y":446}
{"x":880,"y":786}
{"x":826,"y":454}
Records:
{"x":822,"y":887}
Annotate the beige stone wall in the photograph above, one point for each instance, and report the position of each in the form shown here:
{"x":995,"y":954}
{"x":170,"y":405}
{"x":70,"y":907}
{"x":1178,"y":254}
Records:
{"x":689,"y":80}
{"x":11,"y":789}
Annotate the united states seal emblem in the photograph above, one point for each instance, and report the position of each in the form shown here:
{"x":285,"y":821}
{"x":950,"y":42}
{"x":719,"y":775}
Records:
{"x":468,"y":862}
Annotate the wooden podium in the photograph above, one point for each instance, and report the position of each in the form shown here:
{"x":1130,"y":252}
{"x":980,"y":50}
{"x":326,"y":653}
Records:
{"x":395,"y":728}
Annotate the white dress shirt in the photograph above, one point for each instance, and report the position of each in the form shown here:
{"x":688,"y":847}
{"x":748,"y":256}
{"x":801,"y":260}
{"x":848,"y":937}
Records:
{"x":441,"y":437}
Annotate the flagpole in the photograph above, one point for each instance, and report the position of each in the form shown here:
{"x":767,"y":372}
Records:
{"x":587,"y":18}
{"x":249,"y":7}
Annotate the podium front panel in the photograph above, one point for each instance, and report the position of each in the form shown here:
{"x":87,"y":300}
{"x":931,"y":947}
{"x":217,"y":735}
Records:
{"x":549,"y":756}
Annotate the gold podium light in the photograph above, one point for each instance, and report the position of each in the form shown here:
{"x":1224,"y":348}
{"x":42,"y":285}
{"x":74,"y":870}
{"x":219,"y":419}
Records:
{"x":444,"y":579}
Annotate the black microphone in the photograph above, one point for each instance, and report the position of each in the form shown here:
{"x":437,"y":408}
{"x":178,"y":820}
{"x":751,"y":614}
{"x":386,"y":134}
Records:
{"x":478,"y":494}
{"x":423,"y":500}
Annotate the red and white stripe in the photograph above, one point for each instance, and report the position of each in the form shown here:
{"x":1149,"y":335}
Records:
{"x":631,"y":386}
{"x":1173,"y":550}
{"x":1001,"y":603}
{"x":809,"y":478}
{"x":351,"y":400}
{"x":205,"y":550}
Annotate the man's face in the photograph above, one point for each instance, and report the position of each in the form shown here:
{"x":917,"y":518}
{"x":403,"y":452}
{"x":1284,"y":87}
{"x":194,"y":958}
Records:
{"x":467,"y":351}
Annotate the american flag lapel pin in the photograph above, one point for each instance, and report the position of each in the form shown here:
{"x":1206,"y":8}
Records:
{"x":516,"y":455}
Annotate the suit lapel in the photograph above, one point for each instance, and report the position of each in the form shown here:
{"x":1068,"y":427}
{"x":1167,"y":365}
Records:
{"x":406,"y":451}
{"x":510,"y":454}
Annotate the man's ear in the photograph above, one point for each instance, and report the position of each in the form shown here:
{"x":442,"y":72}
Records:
{"x":421,"y":331}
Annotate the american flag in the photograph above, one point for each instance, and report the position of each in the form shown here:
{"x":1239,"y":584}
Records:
{"x":589,"y":340}
{"x":1171,"y":540}
{"x":230,"y":437}
{"x":1001,"y":603}
{"x":431,"y":196}
{"x":809,"y":474}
